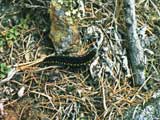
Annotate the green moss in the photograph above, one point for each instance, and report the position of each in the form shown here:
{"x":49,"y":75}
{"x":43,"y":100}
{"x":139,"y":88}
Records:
{"x":4,"y":69}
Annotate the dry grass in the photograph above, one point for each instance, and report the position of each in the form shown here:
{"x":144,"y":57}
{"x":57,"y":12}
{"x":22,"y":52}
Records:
{"x":63,"y":93}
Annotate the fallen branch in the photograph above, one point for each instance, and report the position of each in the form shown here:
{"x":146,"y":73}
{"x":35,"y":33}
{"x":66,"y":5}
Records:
{"x":134,"y":46}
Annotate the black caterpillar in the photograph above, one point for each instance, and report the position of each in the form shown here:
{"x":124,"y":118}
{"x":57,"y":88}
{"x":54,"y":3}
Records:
{"x":71,"y":60}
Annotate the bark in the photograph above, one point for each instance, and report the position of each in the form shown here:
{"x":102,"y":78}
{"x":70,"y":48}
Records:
{"x":134,"y":46}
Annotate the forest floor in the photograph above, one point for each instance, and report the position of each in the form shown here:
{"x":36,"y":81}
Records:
{"x":48,"y":93}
